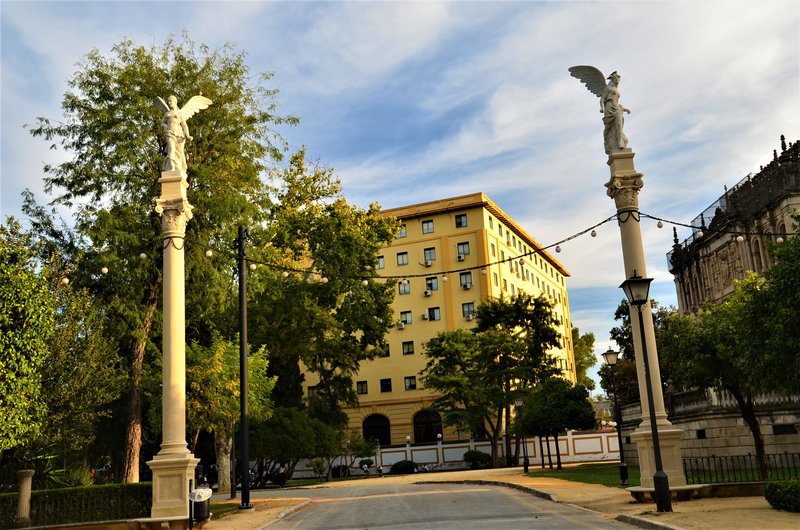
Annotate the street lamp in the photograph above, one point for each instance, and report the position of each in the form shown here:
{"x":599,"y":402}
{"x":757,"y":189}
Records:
{"x":519,"y":402}
{"x":610,"y":357}
{"x":637,"y":290}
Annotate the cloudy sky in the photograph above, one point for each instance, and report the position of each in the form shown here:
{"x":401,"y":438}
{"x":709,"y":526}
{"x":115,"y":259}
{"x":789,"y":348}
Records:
{"x":413,"y":101}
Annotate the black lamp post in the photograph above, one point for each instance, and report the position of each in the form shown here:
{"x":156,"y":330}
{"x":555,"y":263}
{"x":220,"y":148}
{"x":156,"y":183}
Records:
{"x":610,"y":357}
{"x":519,"y":402}
{"x":637,"y":290}
{"x":244,"y":421}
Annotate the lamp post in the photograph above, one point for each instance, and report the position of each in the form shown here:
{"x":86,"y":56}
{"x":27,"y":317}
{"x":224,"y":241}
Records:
{"x":519,"y":402}
{"x":610,"y":357}
{"x":244,"y":422}
{"x":637,"y":290}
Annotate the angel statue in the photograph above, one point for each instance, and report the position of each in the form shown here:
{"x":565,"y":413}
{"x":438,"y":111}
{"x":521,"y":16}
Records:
{"x":613,"y":112}
{"x":176,"y":132}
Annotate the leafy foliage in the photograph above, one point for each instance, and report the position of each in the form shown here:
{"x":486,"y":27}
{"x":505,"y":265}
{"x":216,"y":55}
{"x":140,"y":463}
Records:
{"x":783,"y":495}
{"x":477,"y":459}
{"x":26,"y":324}
{"x":554,"y":407}
{"x":584,"y":357}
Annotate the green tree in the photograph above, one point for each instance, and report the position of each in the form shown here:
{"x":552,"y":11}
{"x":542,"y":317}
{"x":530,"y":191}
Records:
{"x":212,"y":398}
{"x":479,"y":374}
{"x":584,"y":357}
{"x":112,"y":132}
{"x":320,"y":313}
{"x":26,"y":323}
{"x":553,"y":407}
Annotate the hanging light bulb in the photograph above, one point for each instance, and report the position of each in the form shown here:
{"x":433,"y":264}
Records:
{"x":284,"y":274}
{"x":484,"y":272}
{"x":739,"y":239}
{"x":594,"y":233}
{"x":444,"y":277}
{"x":660,"y":224}
{"x":779,"y":239}
{"x":699,"y":233}
{"x":558,"y":248}
{"x":364,"y":282}
{"x":324,"y":280}
{"x":252,"y":266}
{"x":209,"y":253}
{"x":104,"y":270}
{"x":142,"y":256}
{"x":65,"y":281}
{"x":404,"y":281}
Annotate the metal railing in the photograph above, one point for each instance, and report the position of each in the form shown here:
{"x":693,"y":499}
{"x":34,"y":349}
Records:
{"x":741,"y":468}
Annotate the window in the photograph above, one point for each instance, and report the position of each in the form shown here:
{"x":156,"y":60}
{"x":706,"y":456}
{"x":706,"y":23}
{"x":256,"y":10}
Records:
{"x":381,"y":263}
{"x":430,"y":254}
{"x":500,"y":230}
{"x":410,"y":382}
{"x":434,"y":313}
{"x":376,"y":427}
{"x":463,"y":248}
{"x":404,"y":287}
{"x":513,"y":293}
{"x":468,"y":309}
{"x":312,"y":391}
{"x":427,"y":425}
{"x":386,"y":385}
{"x":493,"y":250}
{"x":402,"y":231}
{"x":496,"y":279}
{"x":402,"y":258}
{"x":405,"y":317}
{"x":432,"y":283}
{"x":427,"y":226}
{"x":491,"y":222}
{"x":384,"y":352}
{"x":408,"y":347}
{"x":465,"y":279}
{"x":361,"y":387}
{"x":505,"y":285}
{"x":461,"y":220}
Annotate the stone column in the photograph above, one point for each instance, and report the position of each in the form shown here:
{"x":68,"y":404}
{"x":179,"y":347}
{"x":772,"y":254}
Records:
{"x":24,"y":483}
{"x":624,"y":187}
{"x":174,"y":465}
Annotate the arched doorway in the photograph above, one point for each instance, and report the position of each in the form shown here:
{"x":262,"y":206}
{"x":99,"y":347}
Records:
{"x":376,"y":427}
{"x":427,"y":424}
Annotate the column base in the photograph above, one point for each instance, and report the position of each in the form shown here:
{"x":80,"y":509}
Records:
{"x":669,"y":438}
{"x":171,"y":475}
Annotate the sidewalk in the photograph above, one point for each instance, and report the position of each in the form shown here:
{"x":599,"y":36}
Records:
{"x":736,"y":513}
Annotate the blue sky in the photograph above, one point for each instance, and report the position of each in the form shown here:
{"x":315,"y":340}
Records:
{"x":412,"y":101}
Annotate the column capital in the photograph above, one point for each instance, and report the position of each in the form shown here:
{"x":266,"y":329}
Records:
{"x":175,"y":213}
{"x":625,"y":181}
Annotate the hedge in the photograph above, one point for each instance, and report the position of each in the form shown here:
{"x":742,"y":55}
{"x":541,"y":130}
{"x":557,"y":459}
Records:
{"x":783,"y":494}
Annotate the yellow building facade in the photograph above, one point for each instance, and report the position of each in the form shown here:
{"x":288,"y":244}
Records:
{"x":448,"y":256}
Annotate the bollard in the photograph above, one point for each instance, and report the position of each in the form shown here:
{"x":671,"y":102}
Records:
{"x":24,"y":481}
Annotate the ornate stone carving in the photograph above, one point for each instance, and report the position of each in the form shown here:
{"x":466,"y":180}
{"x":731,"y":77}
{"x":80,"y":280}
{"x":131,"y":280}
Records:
{"x":175,"y":213}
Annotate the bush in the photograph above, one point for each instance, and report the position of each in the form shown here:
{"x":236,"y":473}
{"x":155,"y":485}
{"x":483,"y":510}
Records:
{"x":367,"y":461}
{"x":783,"y":494}
{"x":477,"y":459}
{"x":403,"y":467}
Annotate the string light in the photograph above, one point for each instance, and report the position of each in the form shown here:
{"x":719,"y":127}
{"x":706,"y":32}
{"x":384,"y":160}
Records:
{"x":209,"y":253}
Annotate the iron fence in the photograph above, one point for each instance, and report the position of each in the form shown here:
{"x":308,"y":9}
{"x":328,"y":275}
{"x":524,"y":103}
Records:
{"x":740,"y":468}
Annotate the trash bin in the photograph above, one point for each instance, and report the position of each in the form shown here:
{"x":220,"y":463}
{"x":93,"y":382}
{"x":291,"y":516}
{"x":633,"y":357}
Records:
{"x":201,"y":502}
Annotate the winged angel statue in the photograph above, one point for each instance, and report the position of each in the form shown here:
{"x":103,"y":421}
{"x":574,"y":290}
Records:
{"x":176,"y":132}
{"x":613,"y":112}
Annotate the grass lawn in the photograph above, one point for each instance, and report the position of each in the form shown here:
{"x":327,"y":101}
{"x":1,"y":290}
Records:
{"x":606,"y":473}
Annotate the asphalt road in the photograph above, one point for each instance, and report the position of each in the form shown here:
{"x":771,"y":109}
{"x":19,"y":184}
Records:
{"x":436,"y":506}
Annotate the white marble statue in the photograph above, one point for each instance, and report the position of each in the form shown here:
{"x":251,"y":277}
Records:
{"x":614,"y":137}
{"x":176,"y":132}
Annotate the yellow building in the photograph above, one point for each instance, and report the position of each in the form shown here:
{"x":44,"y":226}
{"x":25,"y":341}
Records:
{"x":448,"y":255}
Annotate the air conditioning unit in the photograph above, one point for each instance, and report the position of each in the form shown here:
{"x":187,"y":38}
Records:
{"x":428,"y":263}
{"x":470,"y":316}
{"x":460,"y":257}
{"x":424,"y":316}
{"x":466,"y":286}
{"x":427,"y":292}
{"x":401,"y":325}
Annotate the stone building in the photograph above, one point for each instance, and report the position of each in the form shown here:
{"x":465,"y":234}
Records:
{"x":730,"y":237}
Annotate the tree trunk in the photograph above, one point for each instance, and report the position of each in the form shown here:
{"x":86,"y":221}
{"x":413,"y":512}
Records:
{"x":558,"y":452}
{"x":509,"y":457}
{"x":223,"y":443}
{"x":133,"y":426}
{"x":747,"y":408}
{"x":549,"y":455}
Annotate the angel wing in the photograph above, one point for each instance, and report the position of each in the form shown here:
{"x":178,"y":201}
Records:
{"x":590,"y":76}
{"x":195,"y":105}
{"x":161,"y":104}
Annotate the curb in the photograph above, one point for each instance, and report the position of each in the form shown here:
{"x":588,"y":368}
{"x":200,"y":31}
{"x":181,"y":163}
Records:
{"x":633,"y":520}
